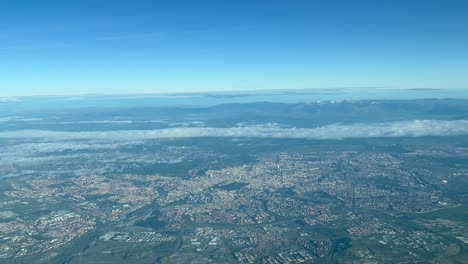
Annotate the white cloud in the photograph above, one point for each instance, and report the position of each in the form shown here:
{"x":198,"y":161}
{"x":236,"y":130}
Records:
{"x":44,"y":147}
{"x":9,"y":100}
{"x":113,"y":122}
{"x":414,"y":128}
{"x":19,"y":119}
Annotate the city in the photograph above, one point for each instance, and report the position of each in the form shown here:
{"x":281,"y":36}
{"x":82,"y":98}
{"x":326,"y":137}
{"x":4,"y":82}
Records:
{"x":375,"y":200}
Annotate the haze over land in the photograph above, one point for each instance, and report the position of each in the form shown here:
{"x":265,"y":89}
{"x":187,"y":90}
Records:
{"x":246,"y":131}
{"x":204,"y":178}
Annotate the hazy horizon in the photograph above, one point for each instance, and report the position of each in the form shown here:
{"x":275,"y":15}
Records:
{"x":233,"y":132}
{"x":230,"y":92}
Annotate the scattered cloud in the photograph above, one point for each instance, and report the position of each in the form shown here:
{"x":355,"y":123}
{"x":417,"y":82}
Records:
{"x":37,"y":46}
{"x":130,"y":37}
{"x":33,"y":152}
{"x":9,"y":100}
{"x":19,"y":119}
{"x":115,"y":122}
{"x":45,"y":147}
{"x":414,"y":128}
{"x":187,"y":124}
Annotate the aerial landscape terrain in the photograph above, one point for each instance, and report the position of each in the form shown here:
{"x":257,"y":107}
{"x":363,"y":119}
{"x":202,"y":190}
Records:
{"x":260,"y":181}
{"x":234,"y":132}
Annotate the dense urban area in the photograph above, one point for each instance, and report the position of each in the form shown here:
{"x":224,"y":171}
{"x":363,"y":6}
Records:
{"x":230,"y":199}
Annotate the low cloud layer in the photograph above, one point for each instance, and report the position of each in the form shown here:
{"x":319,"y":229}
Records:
{"x":19,"y":119}
{"x":415,"y":128}
{"x":9,"y":100}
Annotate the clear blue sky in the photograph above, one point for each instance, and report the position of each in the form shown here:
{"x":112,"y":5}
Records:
{"x":100,"y":46}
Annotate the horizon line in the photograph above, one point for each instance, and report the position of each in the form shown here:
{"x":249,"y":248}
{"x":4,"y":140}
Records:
{"x":229,"y":92}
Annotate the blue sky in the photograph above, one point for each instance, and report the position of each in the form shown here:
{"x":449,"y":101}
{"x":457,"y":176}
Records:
{"x":100,"y":46}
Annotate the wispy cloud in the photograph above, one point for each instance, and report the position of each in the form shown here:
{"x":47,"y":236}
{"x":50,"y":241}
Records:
{"x":130,"y":37}
{"x":414,"y":128}
{"x":114,"y":122}
{"x":19,"y":119}
{"x":9,"y":100}
{"x":38,"y":29}
{"x":45,"y":147}
{"x":34,"y":47}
